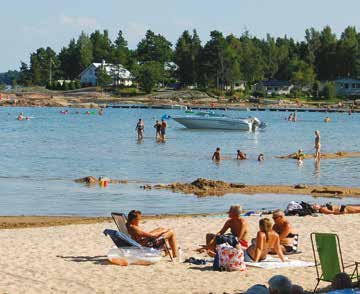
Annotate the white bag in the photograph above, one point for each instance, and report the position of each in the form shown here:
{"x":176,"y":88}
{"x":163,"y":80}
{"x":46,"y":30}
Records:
{"x":132,"y":255}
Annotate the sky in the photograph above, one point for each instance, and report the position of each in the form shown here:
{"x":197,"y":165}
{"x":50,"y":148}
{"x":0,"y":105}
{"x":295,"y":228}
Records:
{"x":27,"y":25}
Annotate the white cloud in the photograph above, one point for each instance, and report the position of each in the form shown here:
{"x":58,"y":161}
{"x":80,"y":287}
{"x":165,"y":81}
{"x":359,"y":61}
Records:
{"x":80,"y":21}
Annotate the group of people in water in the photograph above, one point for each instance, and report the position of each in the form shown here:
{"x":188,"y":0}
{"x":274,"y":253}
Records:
{"x":160,"y":129}
{"x":22,"y":116}
{"x":240,"y":155}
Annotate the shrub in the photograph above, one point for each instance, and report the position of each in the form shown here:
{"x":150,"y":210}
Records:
{"x":329,"y":91}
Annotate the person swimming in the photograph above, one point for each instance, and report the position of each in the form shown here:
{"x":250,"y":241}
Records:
{"x":290,"y":118}
{"x":327,"y":119}
{"x":261,"y":157}
{"x":20,"y":116}
{"x":217,"y":154}
{"x":101,"y":111}
{"x":241,"y":155}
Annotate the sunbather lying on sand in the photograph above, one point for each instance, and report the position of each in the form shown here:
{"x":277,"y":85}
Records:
{"x":267,"y":239}
{"x":239,"y":232}
{"x":285,"y":231}
{"x":155,"y":238}
{"x":335,"y":209}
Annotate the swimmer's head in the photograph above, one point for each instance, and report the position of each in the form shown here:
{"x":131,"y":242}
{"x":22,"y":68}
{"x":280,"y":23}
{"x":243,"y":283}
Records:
{"x":300,"y":150}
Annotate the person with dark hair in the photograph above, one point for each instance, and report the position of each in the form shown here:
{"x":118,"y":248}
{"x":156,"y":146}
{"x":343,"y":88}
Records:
{"x":157,"y":127}
{"x":280,"y":285}
{"x":217,"y":155}
{"x":240,"y":155}
{"x":342,"y":281}
{"x":267,"y":239}
{"x":140,"y":129}
{"x":155,"y":238}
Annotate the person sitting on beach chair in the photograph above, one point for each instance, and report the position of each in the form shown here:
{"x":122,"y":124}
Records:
{"x":288,"y":239}
{"x":267,"y":240}
{"x":335,"y":209}
{"x":155,"y":238}
{"x":239,"y":232}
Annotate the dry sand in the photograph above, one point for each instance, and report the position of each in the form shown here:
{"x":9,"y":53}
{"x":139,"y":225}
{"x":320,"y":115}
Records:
{"x":72,"y":259}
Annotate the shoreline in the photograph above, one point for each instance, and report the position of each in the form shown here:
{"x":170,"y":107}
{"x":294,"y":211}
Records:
{"x":205,"y":187}
{"x":29,"y":221}
{"x":90,"y":98}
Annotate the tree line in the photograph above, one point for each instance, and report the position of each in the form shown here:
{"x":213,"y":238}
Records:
{"x":218,"y":63}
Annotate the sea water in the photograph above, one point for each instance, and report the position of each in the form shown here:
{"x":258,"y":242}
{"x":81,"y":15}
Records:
{"x":41,"y":157}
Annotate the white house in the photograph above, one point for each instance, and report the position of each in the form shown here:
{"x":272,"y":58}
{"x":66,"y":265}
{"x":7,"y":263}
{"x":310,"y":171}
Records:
{"x":238,"y":86}
{"x":121,"y":76}
{"x":275,"y":87}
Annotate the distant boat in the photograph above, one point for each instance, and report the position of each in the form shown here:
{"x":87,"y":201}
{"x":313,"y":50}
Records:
{"x":209,"y":120}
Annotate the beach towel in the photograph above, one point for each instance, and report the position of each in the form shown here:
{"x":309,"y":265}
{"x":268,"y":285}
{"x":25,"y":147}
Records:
{"x":274,"y":262}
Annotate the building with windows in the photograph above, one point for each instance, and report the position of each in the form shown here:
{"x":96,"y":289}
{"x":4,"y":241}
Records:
{"x":347,"y":87}
{"x":120,"y":75}
{"x":274,"y":87}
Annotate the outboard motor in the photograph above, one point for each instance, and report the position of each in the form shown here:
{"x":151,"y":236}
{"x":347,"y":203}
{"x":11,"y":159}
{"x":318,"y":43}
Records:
{"x":258,"y":124}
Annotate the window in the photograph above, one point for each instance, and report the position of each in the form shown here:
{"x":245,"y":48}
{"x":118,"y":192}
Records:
{"x":346,"y":86}
{"x":353,"y":86}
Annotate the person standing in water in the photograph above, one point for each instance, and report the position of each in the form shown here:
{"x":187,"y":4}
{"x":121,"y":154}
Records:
{"x":217,"y":155}
{"x":317,"y":145}
{"x":163,"y":129}
{"x":140,"y":129}
{"x":295,"y":117}
{"x":157,"y":126}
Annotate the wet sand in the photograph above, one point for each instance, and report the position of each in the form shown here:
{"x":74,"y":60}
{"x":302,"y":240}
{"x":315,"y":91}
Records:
{"x":19,"y":222}
{"x":340,"y":154}
{"x":204,"y":187}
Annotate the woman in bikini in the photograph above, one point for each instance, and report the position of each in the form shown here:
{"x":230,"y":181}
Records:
{"x":267,"y":239}
{"x":155,"y":238}
{"x":335,"y":209}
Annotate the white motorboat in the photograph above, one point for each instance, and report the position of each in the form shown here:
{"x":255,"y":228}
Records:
{"x":212,"y":121}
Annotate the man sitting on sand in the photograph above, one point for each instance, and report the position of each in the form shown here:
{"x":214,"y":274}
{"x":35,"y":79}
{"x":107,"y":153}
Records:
{"x":155,"y":238}
{"x":240,"y":155}
{"x":266,"y":240}
{"x":217,"y":155}
{"x":239,"y":232}
{"x":335,"y":209}
{"x":285,"y":231}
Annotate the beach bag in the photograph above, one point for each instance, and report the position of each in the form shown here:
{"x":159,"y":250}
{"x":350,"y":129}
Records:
{"x":229,"y":258}
{"x":133,"y":255}
{"x":228,"y":238}
{"x":292,"y":207}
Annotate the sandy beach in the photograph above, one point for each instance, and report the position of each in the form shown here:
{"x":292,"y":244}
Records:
{"x":72,"y":258}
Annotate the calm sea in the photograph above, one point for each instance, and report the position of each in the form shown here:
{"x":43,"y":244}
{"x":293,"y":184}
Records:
{"x":41,"y":157}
